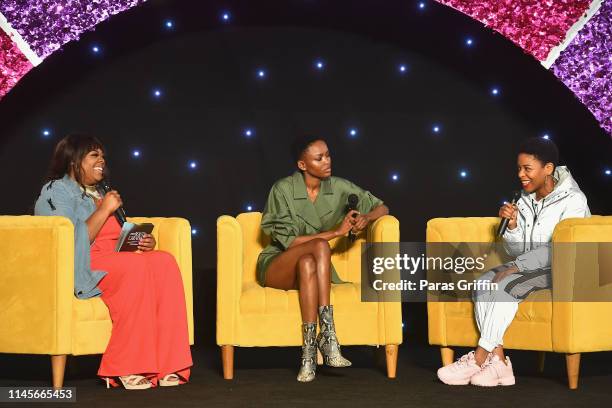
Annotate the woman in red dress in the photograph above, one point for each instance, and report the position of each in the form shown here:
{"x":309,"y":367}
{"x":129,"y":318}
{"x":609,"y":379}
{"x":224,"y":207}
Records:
{"x":143,"y":290}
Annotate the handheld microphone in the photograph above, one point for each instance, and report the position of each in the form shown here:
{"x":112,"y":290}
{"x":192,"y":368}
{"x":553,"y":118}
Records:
{"x":352,"y":205}
{"x":104,"y":188}
{"x":503,"y":225}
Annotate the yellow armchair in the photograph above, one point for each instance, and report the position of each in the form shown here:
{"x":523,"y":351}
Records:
{"x":541,"y":324}
{"x":249,"y":315}
{"x":39,"y":313}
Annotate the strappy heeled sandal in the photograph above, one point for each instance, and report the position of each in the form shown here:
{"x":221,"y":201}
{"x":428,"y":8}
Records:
{"x":169,"y":380}
{"x":132,"y":382}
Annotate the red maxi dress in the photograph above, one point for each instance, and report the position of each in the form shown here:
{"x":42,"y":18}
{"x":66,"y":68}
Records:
{"x":146,"y":300}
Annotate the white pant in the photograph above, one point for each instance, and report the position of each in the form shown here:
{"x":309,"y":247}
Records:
{"x":494,"y":311}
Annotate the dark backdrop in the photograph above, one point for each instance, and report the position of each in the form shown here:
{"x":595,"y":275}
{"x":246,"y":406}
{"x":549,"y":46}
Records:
{"x":206,"y":71}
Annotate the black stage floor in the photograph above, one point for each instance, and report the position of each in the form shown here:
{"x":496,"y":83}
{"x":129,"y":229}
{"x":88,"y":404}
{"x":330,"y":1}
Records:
{"x":266,"y":377}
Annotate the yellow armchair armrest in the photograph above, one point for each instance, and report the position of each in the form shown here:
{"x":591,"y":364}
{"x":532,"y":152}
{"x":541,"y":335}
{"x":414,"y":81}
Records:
{"x":36,"y":284}
{"x":229,"y":276}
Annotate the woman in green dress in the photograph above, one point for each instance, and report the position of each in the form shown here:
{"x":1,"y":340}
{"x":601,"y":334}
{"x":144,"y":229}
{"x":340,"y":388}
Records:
{"x":303,"y":213}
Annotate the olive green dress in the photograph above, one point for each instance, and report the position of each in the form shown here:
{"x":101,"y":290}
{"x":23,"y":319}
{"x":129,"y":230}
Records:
{"x":290,"y":213}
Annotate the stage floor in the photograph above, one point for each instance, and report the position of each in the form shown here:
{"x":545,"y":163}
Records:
{"x":266,"y":377}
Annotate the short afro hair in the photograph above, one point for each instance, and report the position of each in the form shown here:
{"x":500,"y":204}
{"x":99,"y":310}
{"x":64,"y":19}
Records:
{"x":542,"y":149}
{"x":301,"y":143}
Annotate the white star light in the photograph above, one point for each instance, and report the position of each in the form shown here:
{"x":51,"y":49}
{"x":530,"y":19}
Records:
{"x":608,"y":172}
{"x":422,"y":5}
{"x":194,"y":231}
{"x":248,"y":133}
{"x":495,"y":91}
{"x":193,"y":164}
{"x":353,"y":132}
{"x":319,"y":64}
{"x":436,"y":128}
{"x":169,"y":24}
{"x":46,"y":132}
{"x":469,"y":42}
{"x":95,"y":49}
{"x":249,"y":207}
{"x":226,"y":16}
{"x":394,"y":177}
{"x":157,"y":93}
{"x":463,"y":173}
{"x":546,"y":136}
{"x":261,"y":73}
{"x":403,"y":68}
{"x":136,"y":153}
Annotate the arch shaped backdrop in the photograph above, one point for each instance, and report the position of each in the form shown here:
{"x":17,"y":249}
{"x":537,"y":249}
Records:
{"x":431,"y":140}
{"x":573,"y":38}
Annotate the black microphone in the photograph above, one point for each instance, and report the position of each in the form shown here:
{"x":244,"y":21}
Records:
{"x":503,"y":225}
{"x":352,"y":205}
{"x":104,"y":188}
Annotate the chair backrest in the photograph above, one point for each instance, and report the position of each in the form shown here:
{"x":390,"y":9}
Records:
{"x":346,"y":256}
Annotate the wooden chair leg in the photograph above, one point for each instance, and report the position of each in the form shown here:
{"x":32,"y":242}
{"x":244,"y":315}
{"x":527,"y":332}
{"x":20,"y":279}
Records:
{"x":541,"y":361}
{"x":448,"y":355}
{"x":573,"y":368}
{"x":227,"y":357}
{"x":391,"y":351}
{"x":58,"y":367}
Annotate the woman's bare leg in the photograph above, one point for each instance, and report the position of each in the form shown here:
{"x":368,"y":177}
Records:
{"x":292,"y":269}
{"x":481,"y":354}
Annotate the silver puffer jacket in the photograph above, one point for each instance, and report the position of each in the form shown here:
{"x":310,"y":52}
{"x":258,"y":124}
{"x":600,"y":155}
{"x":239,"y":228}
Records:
{"x":530,"y":241}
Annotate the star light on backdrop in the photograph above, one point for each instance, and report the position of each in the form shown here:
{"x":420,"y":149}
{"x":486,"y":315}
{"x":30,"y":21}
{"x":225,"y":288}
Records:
{"x":194,"y":231}
{"x":319,"y":64}
{"x":571,"y":38}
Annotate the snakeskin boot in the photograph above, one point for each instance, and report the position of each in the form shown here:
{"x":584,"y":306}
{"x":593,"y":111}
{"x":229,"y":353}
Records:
{"x":309,"y":353}
{"x":327,"y":340}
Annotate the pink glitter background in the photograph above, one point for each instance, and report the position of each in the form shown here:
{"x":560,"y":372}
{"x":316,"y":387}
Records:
{"x":13,"y":64}
{"x":536,"y":26}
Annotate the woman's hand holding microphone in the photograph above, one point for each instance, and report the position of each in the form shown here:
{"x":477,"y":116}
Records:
{"x":110,"y":203}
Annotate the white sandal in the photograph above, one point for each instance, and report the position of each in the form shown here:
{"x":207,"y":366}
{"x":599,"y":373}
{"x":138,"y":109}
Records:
{"x":169,"y":380}
{"x":132,"y":382}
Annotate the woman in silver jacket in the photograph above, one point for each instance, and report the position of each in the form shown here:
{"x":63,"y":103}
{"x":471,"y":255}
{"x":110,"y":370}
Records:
{"x":549,"y":195}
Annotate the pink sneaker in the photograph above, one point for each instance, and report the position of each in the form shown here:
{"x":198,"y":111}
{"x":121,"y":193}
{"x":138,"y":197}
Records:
{"x":494,"y":372}
{"x":459,"y":372}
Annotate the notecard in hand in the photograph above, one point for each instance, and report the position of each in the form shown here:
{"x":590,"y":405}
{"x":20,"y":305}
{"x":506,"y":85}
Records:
{"x":130,"y":235}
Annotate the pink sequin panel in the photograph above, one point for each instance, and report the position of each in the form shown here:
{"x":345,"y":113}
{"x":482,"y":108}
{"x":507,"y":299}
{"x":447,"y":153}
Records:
{"x":537,"y":26}
{"x":13,"y":64}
